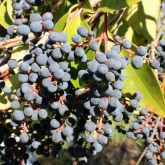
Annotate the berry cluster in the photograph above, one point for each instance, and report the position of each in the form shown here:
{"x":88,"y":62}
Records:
{"x":37,"y":25}
{"x":159,"y":62}
{"x":21,"y":6}
{"x":151,"y":129}
{"x":49,"y":114}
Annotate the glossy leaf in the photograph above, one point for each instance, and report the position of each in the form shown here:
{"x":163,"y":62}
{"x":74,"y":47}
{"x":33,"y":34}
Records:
{"x":11,"y":81}
{"x":10,"y":9}
{"x":144,"y":81}
{"x":60,"y":25}
{"x":18,"y":53}
{"x":111,"y":5}
{"x":72,"y":26}
{"x":141,"y":17}
{"x":5,"y":20}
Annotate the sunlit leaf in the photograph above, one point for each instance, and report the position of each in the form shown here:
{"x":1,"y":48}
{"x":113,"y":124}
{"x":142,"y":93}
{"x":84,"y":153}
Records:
{"x":5,"y":20}
{"x":111,"y":5}
{"x":10,"y":9}
{"x":141,"y":17}
{"x":144,"y":81}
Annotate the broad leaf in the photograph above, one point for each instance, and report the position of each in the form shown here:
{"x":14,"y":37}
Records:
{"x":144,"y":81}
{"x":10,"y":9}
{"x":111,"y":5}
{"x":11,"y":81}
{"x":87,"y":7}
{"x":72,"y":26}
{"x":60,"y":25}
{"x":141,"y":17}
{"x":18,"y":53}
{"x":5,"y":20}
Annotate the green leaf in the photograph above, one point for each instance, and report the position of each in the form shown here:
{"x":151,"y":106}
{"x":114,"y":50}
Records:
{"x":10,"y":9}
{"x":73,"y":24}
{"x":60,"y":11}
{"x":141,"y":17}
{"x":87,"y":7}
{"x":128,"y":32}
{"x":60,"y":25}
{"x":12,"y":82}
{"x":144,"y":80}
{"x":5,"y":20}
{"x":111,"y":5}
{"x":18,"y":53}
{"x":70,"y":29}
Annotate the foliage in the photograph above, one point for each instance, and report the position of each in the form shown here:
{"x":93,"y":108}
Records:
{"x":139,"y":22}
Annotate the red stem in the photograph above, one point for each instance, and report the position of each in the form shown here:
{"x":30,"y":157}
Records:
{"x":5,"y":74}
{"x":105,"y":34}
{"x":161,"y":130}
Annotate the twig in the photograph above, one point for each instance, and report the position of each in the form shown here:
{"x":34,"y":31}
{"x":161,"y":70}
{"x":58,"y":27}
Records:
{"x":152,"y":136}
{"x":105,"y":33}
{"x":42,"y":40}
{"x":93,"y":17}
{"x":14,"y":42}
{"x":5,"y":59}
{"x":154,"y":43}
{"x":57,"y":6}
{"x":117,"y":17}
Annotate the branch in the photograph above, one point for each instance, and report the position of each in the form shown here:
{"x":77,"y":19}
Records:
{"x":117,"y":17}
{"x":152,"y":136}
{"x":105,"y":34}
{"x":9,"y":43}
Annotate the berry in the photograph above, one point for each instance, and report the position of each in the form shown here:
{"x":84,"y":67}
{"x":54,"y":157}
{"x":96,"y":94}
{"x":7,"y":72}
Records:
{"x":82,"y":31}
{"x":36,"y":27}
{"x":134,"y":104}
{"x":24,"y":138}
{"x":35,"y":144}
{"x":47,"y":16}
{"x":23,"y":30}
{"x":54,"y":123}
{"x":15,"y":104}
{"x":76,"y":38}
{"x":141,"y":50}
{"x":12,"y":64}
{"x":102,"y":69}
{"x":90,"y":126}
{"x":35,"y":17}
{"x":126,"y":44}
{"x":137,"y":62}
{"x":66,"y":48}
{"x":42,"y":113}
{"x":7,"y":89}
{"x":155,"y":64}
{"x":18,"y":115}
{"x":48,"y":25}
{"x":100,"y":57}
{"x":94,"y":45}
{"x":28,"y":111}
{"x":79,"y":52}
